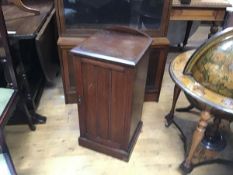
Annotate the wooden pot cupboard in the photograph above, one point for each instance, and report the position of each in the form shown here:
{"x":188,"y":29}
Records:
{"x":110,"y":89}
{"x":79,"y":19}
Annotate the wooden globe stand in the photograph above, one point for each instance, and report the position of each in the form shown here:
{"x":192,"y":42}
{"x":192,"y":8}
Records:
{"x":207,"y":141}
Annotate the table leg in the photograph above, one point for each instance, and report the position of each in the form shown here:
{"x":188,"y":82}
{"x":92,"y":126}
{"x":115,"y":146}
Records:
{"x":169,"y":117}
{"x":29,"y":117}
{"x":25,"y":91}
{"x":187,"y":32}
{"x":213,"y":28}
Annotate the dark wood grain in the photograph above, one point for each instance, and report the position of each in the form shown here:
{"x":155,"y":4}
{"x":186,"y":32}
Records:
{"x":161,"y":31}
{"x":32,"y":34}
{"x":118,"y":106}
{"x":156,"y":66}
{"x":10,"y":78}
{"x":67,"y":70}
{"x":24,"y":23}
{"x":90,"y":100}
{"x":112,"y":96}
{"x":71,"y":38}
{"x":103,"y":114}
{"x":138,"y":98}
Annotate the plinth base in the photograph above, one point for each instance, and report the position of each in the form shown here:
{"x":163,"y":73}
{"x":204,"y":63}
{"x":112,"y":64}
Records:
{"x":117,"y":153}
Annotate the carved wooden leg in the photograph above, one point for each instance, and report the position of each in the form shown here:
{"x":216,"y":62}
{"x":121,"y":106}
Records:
{"x":187,"y":33}
{"x":213,"y":29}
{"x":198,"y":135}
{"x":169,"y":117}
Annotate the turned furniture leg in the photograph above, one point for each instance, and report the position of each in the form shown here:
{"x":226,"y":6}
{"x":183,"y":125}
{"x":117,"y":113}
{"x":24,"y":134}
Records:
{"x":213,"y":29}
{"x":187,"y":33}
{"x":198,"y":135}
{"x":169,"y":117}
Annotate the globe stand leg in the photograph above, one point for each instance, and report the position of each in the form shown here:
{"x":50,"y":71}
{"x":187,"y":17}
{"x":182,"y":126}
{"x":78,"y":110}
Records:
{"x":186,"y":168}
{"x":198,"y":135}
{"x":170,"y":116}
{"x":185,"y":109}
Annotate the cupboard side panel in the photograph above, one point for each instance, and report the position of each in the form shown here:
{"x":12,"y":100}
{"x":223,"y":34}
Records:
{"x":138,"y":93}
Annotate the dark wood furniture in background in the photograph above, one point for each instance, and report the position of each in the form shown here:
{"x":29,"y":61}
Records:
{"x":111,"y":68}
{"x":23,"y":7}
{"x":77,"y":20}
{"x":33,"y":45}
{"x":229,"y":18}
{"x":200,"y":10}
{"x":9,"y":97}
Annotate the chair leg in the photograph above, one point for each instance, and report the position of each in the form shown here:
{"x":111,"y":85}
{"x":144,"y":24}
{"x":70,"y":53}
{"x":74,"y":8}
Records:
{"x":198,"y":135}
{"x":170,"y":116}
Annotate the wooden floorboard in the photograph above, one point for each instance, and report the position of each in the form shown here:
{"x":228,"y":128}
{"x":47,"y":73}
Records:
{"x":53,"y":148}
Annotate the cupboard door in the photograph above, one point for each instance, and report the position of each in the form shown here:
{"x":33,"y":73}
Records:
{"x":102,"y":94}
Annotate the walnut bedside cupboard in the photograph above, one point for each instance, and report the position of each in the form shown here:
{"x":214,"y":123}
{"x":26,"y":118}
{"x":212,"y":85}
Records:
{"x":111,"y":68}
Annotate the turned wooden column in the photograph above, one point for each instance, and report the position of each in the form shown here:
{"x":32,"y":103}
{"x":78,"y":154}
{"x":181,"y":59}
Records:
{"x":197,"y":137}
{"x":214,"y":28}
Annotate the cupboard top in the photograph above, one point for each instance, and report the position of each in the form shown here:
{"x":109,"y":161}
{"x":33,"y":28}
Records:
{"x":121,"y":45}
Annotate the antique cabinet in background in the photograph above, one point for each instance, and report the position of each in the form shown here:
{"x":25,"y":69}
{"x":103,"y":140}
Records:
{"x":78,"y":19}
